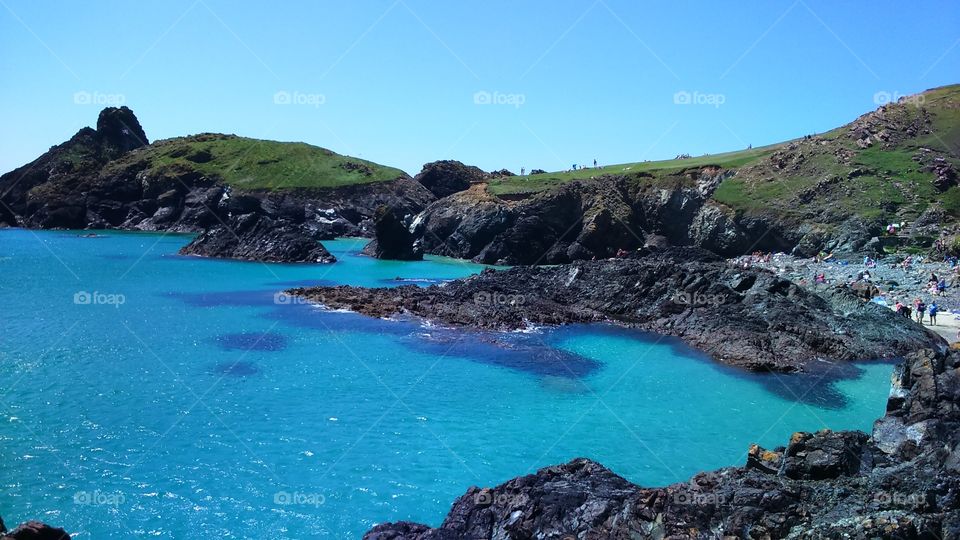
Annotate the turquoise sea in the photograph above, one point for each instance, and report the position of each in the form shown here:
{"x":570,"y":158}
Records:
{"x":148,"y":395}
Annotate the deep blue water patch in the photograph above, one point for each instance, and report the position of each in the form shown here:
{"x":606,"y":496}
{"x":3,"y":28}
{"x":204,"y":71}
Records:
{"x":230,"y":298}
{"x":252,"y":341}
{"x":236,"y":369}
{"x":522,"y":352}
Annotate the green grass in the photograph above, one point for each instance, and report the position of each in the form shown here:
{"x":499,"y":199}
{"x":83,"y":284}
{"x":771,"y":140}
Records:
{"x":535,"y":183}
{"x":253,"y":164}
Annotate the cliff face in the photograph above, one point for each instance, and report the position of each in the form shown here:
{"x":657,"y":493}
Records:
{"x":584,"y":220}
{"x":746,"y":318}
{"x":901,"y":482}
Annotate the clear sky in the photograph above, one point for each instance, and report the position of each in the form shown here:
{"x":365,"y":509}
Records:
{"x":496,"y":83}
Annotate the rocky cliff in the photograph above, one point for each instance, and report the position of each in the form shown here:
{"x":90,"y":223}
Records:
{"x":583,"y":220}
{"x":903,"y":482}
{"x":746,"y":318}
{"x":111,"y":178}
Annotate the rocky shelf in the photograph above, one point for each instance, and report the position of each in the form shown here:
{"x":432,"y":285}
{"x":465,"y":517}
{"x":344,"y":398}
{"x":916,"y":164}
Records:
{"x":746,"y":318}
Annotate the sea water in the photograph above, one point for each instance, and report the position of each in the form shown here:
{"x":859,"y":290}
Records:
{"x":148,"y":395}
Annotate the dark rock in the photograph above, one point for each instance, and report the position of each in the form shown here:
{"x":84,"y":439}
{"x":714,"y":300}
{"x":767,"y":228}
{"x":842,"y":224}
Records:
{"x":593,"y":220}
{"x":35,"y":530}
{"x":822,"y":455}
{"x":748,"y":318}
{"x":392,"y":237}
{"x":447,"y":177}
{"x":257,"y":237}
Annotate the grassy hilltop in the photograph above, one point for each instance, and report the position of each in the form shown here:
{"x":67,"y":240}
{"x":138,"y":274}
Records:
{"x":888,"y":164}
{"x":255,"y":164}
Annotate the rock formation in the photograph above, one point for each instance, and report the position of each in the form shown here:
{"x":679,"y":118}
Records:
{"x":746,"y":318}
{"x":392,"y":237}
{"x":447,"y":177}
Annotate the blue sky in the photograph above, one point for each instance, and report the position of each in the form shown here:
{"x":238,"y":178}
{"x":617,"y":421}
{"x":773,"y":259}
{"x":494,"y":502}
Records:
{"x":497,"y":84}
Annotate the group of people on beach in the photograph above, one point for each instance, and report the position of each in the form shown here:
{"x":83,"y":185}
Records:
{"x":920,"y":308}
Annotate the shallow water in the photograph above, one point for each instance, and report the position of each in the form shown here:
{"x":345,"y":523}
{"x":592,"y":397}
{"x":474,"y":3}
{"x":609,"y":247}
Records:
{"x":187,"y":399}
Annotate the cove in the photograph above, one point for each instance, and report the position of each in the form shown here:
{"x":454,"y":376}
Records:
{"x":170,"y":416}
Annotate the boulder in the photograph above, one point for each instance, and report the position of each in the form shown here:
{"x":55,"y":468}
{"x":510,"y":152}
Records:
{"x":255,"y":237}
{"x":447,"y":177}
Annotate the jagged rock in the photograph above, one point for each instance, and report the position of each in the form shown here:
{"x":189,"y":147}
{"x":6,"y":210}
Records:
{"x":34,"y":530}
{"x":392,"y":237}
{"x":747,"y":318}
{"x":447,"y":177}
{"x":257,"y":237}
{"x":846,"y":486}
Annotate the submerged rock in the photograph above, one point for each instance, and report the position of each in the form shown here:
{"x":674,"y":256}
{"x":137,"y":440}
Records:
{"x":746,"y":318}
{"x":829,"y":485}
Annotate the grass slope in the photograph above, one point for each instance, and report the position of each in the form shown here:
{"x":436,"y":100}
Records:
{"x":513,"y":185}
{"x":254,"y":164}
{"x":825,"y":179}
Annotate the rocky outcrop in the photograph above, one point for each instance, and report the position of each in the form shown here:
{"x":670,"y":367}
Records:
{"x":33,"y":530}
{"x":117,"y":132}
{"x":256,"y":237}
{"x":392,"y":237}
{"x":594,"y":219}
{"x":903,"y":482}
{"x":444,"y":178}
{"x":109,"y":178}
{"x":746,"y":318}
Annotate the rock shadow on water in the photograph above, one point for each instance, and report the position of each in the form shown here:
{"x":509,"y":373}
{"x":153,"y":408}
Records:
{"x":236,"y":369}
{"x":252,"y":341}
{"x":517,"y":351}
